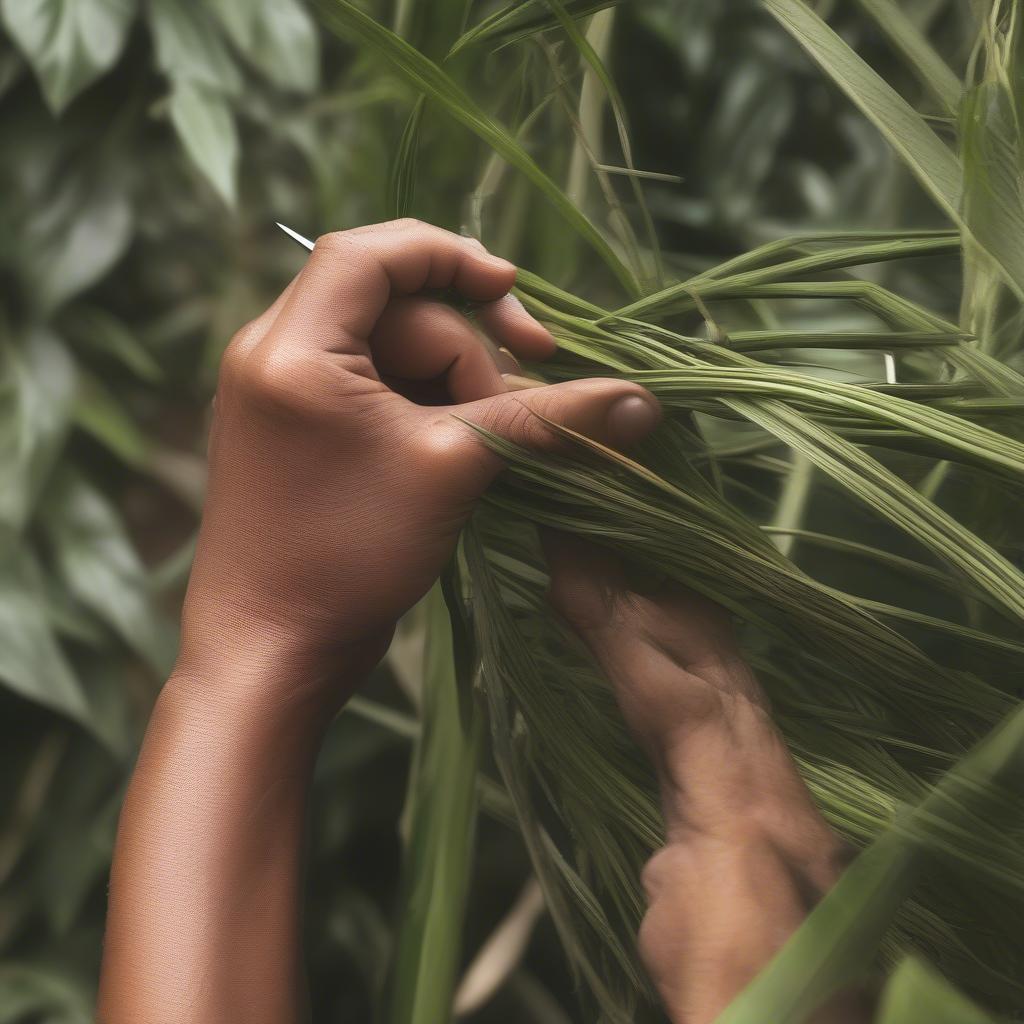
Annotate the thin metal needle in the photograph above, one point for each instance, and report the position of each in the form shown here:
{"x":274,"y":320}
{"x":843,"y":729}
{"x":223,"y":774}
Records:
{"x":304,"y":242}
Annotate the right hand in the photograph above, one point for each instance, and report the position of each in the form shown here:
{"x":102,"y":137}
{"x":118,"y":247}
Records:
{"x":747,"y":852}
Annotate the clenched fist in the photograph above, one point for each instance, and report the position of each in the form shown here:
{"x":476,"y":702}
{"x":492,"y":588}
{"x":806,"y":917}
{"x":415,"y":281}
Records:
{"x":335,"y":499}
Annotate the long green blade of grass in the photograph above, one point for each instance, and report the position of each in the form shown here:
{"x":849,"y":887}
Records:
{"x":929,"y":67}
{"x":441,"y":812}
{"x":426,"y":77}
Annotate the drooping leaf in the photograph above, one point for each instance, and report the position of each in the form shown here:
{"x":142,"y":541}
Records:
{"x":931,"y":160}
{"x":98,"y":563}
{"x":189,"y":46}
{"x":925,"y":62}
{"x":204,"y":123}
{"x":37,"y":392}
{"x":276,"y":36}
{"x":519,"y":20}
{"x":72,"y":241}
{"x":993,"y":187}
{"x":97,"y":331}
{"x":100,"y":414}
{"x":69,"y":43}
{"x":31,"y":661}
{"x":934,"y":164}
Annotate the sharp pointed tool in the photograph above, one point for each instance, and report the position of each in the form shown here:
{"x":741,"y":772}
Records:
{"x":301,"y":239}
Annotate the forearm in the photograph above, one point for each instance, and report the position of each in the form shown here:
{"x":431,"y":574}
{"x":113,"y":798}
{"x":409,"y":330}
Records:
{"x":205,"y":893}
{"x":747,"y":856}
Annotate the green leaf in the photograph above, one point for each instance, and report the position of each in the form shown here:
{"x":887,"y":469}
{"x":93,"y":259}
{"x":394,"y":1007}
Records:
{"x":37,"y":392}
{"x":521,"y":19}
{"x":276,"y":36}
{"x":206,"y":127}
{"x":72,"y":242}
{"x":907,"y":132}
{"x":441,"y":811}
{"x":69,"y":43}
{"x":100,"y":414}
{"x":934,"y":165}
{"x":403,"y":169}
{"x":917,"y":992}
{"x":929,"y":67}
{"x":426,"y":77}
{"x":839,"y":940}
{"x":99,"y":332}
{"x":42,"y":993}
{"x":31,"y":661}
{"x":98,"y":564}
{"x":189,"y":47}
{"x":994,"y":192}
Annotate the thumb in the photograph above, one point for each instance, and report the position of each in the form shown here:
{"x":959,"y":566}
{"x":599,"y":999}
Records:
{"x":615,"y":413}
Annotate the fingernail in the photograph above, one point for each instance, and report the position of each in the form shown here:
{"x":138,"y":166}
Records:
{"x":507,"y":363}
{"x":503,"y":265}
{"x":631,"y":419}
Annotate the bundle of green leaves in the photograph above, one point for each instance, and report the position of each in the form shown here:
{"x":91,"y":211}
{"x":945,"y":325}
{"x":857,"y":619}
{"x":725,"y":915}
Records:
{"x":839,"y":466}
{"x":880,"y":698}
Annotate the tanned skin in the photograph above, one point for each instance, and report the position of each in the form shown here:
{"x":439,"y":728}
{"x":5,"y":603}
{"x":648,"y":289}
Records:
{"x":334,"y":501}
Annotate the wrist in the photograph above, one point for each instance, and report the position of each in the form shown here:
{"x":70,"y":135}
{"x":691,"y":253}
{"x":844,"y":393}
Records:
{"x":252,"y":673}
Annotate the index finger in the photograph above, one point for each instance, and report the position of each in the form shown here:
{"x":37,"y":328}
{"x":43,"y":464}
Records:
{"x":352,"y":275}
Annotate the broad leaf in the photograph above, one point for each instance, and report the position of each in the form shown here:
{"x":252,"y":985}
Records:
{"x":98,"y":564}
{"x":37,"y":392}
{"x":69,"y":43}
{"x":276,"y":36}
{"x":72,"y":241}
{"x":206,"y":127}
{"x":189,"y":47}
{"x":43,"y":993}
{"x":31,"y":661}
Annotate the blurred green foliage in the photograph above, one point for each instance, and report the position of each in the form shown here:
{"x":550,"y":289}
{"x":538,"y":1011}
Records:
{"x":145,"y":152}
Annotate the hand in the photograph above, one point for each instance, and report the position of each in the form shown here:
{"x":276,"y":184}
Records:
{"x":334,"y":500}
{"x":747,"y":853}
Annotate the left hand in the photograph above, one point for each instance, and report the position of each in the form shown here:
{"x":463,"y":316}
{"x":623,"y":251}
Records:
{"x":334,"y":499}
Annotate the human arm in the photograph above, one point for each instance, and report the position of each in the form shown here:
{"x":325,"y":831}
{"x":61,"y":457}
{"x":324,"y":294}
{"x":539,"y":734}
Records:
{"x":747,"y":853}
{"x":333,"y":503}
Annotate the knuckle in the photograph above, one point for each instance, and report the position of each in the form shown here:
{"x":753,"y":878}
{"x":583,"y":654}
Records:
{"x":671,"y":865}
{"x":276,"y":380}
{"x":335,"y":242}
{"x":404,"y":224}
{"x":233,"y":358}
